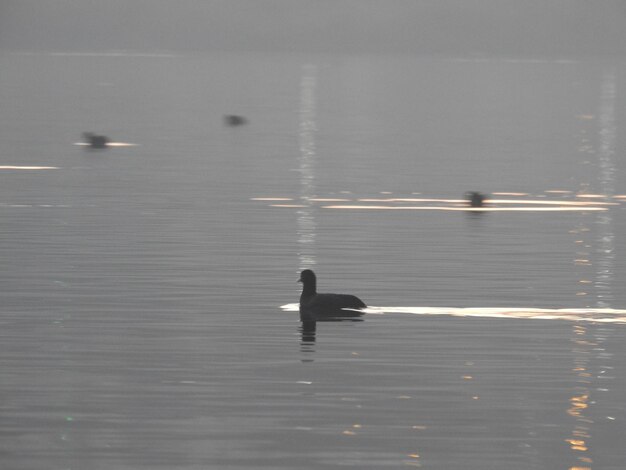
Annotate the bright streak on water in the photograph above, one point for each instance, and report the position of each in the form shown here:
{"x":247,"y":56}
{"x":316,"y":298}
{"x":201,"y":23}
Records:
{"x":491,"y":201}
{"x":606,"y":236}
{"x":114,"y":54}
{"x":599,"y":315}
{"x":307,"y":162}
{"x":109,"y":144}
{"x":328,"y":199}
{"x":511,"y":194}
{"x":471,"y":209}
{"x":15,"y":167}
{"x":271,"y":199}
{"x":493,"y":205}
{"x":401,"y":199}
{"x":543,"y":202}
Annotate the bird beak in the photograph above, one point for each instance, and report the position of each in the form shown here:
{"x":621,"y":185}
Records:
{"x":299,"y":280}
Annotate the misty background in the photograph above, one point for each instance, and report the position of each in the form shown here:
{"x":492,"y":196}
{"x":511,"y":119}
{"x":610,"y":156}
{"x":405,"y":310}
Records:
{"x":478,"y":27}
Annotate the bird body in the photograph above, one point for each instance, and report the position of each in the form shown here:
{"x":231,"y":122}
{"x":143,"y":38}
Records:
{"x":95,"y":141}
{"x":475,"y":199}
{"x":325,"y":307}
{"x":233,"y":120}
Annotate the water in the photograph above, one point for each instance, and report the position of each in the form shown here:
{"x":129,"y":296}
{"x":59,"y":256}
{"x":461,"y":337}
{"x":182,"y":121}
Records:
{"x":142,"y":286}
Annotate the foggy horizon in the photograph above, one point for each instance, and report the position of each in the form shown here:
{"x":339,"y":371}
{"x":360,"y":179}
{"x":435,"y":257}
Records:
{"x":474,"y":27}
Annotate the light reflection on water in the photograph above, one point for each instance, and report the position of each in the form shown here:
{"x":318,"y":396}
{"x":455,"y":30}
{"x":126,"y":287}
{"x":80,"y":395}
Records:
{"x":109,"y":144}
{"x":591,"y":359}
{"x":307,"y":166}
{"x":491,"y":205}
{"x":470,"y":209}
{"x":597,"y":315}
{"x":24,"y":167}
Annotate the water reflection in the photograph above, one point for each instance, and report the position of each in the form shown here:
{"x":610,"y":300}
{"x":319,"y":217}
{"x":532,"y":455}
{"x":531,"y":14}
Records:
{"x":464,"y":209}
{"x":537,"y":204}
{"x":307,"y":333}
{"x":18,"y":167}
{"x":308,"y":330}
{"x":306,"y":209}
{"x":606,"y":237}
{"x":581,"y":351}
{"x":578,"y":403}
{"x":109,"y":144}
{"x":587,"y":339}
{"x":307,"y":161}
{"x":595,"y":315}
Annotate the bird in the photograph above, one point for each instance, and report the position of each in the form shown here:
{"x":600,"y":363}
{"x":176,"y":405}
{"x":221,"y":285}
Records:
{"x":325,"y":307}
{"x":233,"y":120}
{"x":95,"y":141}
{"x":475,"y":199}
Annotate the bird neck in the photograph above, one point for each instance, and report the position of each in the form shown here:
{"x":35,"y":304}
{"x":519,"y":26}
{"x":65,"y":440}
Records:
{"x":309,"y":289}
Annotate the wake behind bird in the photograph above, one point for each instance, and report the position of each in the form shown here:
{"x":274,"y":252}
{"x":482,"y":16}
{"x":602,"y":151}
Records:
{"x":598,"y":315}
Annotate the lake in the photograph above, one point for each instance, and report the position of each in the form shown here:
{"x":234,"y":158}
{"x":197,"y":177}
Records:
{"x":147,"y":291}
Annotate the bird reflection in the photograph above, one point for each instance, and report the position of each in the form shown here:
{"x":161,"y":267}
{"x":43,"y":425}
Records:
{"x":307,"y":332}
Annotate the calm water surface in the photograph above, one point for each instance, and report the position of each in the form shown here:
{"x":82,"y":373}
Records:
{"x":142,"y":286}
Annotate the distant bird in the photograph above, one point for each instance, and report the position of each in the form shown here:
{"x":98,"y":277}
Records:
{"x":232,"y":120}
{"x":475,"y":199}
{"x":325,"y":307}
{"x":95,"y":141}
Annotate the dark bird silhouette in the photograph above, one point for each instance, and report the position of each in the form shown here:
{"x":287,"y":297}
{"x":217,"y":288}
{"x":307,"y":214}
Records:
{"x":475,"y":199}
{"x":95,"y":141}
{"x":233,"y":120}
{"x":325,"y":307}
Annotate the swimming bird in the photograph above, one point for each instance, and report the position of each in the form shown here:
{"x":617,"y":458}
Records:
{"x":325,"y":307}
{"x":96,"y":141}
{"x":475,"y":199}
{"x":233,"y":120}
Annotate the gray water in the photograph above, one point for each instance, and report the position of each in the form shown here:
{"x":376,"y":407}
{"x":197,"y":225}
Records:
{"x":142,"y":286}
